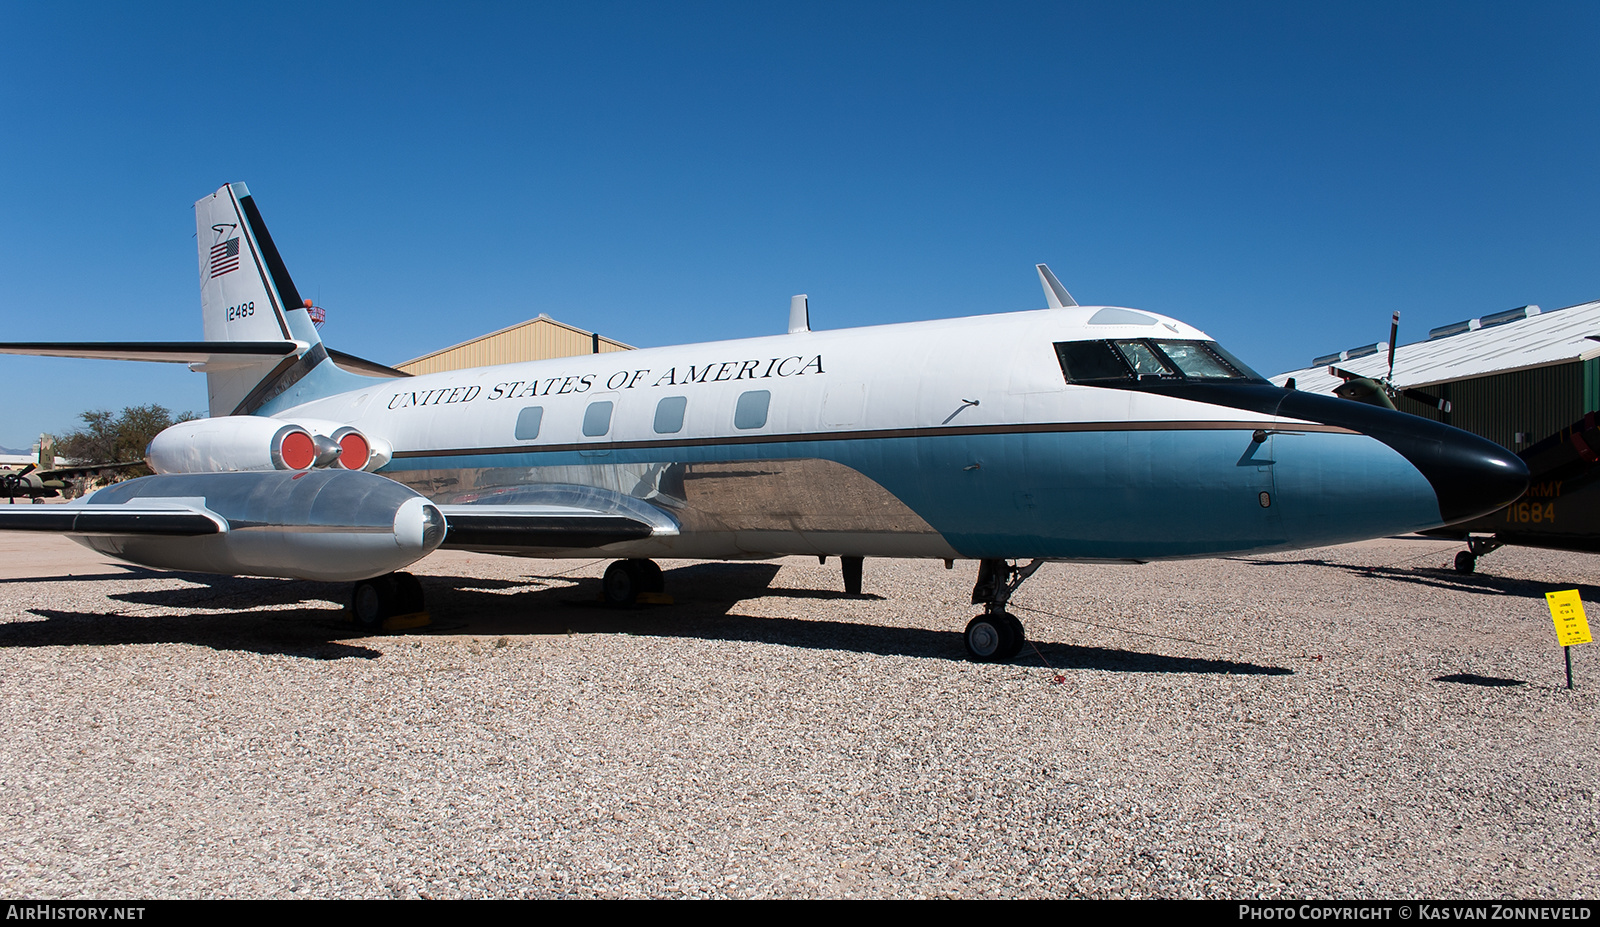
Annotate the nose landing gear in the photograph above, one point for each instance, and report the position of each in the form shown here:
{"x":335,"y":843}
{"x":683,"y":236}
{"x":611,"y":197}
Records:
{"x":997,"y":635}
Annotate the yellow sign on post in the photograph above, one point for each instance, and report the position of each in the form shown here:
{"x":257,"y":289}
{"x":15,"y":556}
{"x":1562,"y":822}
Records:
{"x":1566,"y":609}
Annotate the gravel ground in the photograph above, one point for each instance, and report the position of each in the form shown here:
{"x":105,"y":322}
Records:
{"x":1351,"y":722}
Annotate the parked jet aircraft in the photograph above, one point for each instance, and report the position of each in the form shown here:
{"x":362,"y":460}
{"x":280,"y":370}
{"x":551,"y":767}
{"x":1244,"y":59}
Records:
{"x":1070,"y":433}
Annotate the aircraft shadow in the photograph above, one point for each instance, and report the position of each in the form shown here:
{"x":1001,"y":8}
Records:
{"x":260,"y":616}
{"x":129,"y":573}
{"x":1442,"y":578}
{"x":312,"y":634}
{"x":1473,"y":679}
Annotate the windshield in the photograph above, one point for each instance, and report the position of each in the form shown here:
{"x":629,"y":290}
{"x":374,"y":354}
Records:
{"x":1125,"y":362}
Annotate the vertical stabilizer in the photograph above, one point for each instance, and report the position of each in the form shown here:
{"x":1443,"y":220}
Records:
{"x":246,"y":294}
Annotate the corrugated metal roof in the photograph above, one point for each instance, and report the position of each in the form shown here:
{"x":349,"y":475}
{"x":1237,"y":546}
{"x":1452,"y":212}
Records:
{"x":1493,"y":345}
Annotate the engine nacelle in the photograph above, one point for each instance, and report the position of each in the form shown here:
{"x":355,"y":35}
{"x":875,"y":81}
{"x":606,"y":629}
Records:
{"x":230,"y":443}
{"x":249,"y":442}
{"x":356,"y":451}
{"x":330,"y":525}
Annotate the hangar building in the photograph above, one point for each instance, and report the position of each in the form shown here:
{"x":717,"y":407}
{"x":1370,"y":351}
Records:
{"x":1513,"y":377}
{"x":536,"y":339}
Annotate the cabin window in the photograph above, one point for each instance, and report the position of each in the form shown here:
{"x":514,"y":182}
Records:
{"x":751,"y":412}
{"x":528,"y":423}
{"x":669,"y":415}
{"x":597,"y":418}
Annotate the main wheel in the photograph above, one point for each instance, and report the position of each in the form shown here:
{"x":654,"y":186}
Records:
{"x":991,"y":639}
{"x":373,"y":600}
{"x":1466,"y":562}
{"x":408,"y":594}
{"x":650,"y":578}
{"x":622,"y":583}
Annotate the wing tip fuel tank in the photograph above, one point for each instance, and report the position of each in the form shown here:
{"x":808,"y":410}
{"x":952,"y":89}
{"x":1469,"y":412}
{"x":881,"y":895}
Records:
{"x":328,"y":525}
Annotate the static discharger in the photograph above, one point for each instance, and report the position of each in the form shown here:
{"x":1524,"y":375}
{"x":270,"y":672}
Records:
{"x":1572,"y":627}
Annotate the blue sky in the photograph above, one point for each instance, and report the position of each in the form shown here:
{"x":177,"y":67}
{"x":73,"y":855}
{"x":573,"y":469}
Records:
{"x":1282,"y":175}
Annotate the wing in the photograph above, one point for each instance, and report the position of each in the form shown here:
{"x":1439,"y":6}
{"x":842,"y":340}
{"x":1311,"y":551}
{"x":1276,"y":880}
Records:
{"x":552,"y":517}
{"x":120,"y":520}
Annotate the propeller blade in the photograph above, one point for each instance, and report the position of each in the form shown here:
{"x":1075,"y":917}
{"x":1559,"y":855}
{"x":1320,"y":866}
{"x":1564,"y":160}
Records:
{"x":28,"y":469}
{"x":1427,"y":399}
{"x":1394,"y":332}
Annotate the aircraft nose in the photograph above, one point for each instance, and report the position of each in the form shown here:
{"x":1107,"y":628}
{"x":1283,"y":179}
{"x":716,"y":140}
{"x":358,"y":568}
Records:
{"x":1471,"y":476}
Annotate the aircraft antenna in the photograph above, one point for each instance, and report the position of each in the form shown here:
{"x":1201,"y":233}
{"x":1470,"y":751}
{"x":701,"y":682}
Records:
{"x":1055,"y":295}
{"x":799,"y":314}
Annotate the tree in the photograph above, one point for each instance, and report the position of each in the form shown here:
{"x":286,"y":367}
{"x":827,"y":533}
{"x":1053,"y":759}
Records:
{"x":108,"y":439}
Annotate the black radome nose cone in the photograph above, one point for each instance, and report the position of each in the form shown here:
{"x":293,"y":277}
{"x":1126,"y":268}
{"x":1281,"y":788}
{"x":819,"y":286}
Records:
{"x":1472,"y":476}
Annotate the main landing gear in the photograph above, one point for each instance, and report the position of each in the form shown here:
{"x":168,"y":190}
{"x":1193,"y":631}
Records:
{"x":626,"y":579}
{"x":852,"y":574}
{"x":850,"y":567}
{"x":374,"y":601}
{"x":996,"y":635}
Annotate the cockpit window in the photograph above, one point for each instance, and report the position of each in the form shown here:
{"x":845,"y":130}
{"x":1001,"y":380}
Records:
{"x":1143,"y":359}
{"x":1195,"y":361}
{"x":1088,"y":361}
{"x":1132,"y":361}
{"x":1233,"y":362}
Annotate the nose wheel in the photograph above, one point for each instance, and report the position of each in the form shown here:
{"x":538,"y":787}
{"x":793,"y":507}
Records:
{"x":1467,"y":560}
{"x":997,"y":635}
{"x":994,"y":638}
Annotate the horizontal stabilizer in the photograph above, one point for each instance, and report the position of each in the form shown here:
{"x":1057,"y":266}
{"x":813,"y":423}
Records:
{"x":363,"y":366}
{"x":166,"y":352}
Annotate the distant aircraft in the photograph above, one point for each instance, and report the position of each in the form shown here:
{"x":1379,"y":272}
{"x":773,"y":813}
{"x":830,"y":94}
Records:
{"x":1560,"y":510}
{"x":29,"y":483}
{"x":1382,"y":391}
{"x":43,"y":480}
{"x":1073,"y":433}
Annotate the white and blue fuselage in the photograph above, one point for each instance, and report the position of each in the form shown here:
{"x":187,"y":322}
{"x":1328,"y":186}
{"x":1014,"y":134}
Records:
{"x":962,"y":438}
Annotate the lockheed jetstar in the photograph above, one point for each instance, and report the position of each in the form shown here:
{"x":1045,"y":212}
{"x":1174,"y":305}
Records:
{"x":1071,"y":433}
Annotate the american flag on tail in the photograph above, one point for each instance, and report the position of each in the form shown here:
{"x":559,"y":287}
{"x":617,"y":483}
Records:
{"x":225,"y":257}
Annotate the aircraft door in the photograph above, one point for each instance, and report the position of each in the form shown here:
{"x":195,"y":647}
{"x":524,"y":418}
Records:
{"x":1259,"y":467}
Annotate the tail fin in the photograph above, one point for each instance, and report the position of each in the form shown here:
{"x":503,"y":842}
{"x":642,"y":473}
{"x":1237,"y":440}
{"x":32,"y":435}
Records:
{"x":262,"y":352}
{"x":246,"y":294}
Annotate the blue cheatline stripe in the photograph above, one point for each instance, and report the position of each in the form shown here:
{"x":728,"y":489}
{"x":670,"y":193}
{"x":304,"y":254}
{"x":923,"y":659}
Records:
{"x":1107,"y":494}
